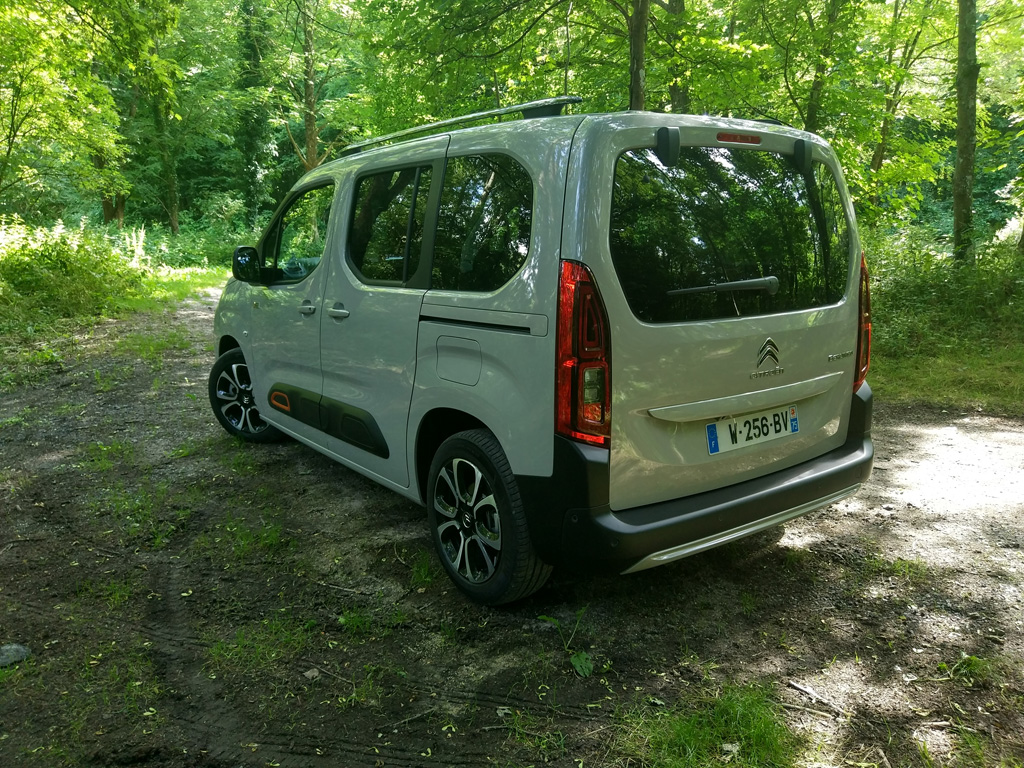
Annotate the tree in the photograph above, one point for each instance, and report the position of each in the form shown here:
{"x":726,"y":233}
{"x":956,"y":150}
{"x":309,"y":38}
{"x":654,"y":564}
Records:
{"x":319,"y":59}
{"x":967,"y":69}
{"x":636,"y":23}
{"x":56,"y":115}
{"x":252,"y":128}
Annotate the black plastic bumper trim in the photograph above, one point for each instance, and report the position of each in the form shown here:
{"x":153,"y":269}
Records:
{"x":572,"y":524}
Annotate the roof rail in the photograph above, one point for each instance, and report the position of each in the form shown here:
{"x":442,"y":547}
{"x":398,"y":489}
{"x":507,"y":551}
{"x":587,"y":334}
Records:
{"x":540,"y":108}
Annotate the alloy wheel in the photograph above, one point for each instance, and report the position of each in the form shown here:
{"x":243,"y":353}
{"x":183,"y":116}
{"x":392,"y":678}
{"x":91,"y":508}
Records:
{"x":468,"y":522}
{"x":236,"y":400}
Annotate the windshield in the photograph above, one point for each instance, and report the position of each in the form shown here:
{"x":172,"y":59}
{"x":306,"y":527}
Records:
{"x":726,"y":233}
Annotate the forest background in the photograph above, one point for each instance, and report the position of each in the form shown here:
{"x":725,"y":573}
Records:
{"x":141,"y":140}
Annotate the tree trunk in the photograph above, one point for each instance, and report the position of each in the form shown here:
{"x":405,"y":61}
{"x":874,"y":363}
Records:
{"x":637,"y":23}
{"x":309,"y":89}
{"x":168,"y":166}
{"x":679,"y":95}
{"x":119,"y":201}
{"x":827,"y":43}
{"x":679,"y":87}
{"x":252,"y":132}
{"x":967,"y":70}
{"x":815,"y":98}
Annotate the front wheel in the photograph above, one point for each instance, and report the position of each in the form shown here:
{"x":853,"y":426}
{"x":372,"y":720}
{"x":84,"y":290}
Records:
{"x":233,"y":403}
{"x":477,"y":521}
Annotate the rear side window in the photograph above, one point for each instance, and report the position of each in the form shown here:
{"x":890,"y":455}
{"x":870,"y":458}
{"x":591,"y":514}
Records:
{"x":386,"y":236}
{"x":726,"y":233}
{"x":483,"y":224}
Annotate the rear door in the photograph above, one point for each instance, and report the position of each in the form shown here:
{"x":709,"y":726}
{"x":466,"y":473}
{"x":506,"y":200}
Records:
{"x":726,"y":269}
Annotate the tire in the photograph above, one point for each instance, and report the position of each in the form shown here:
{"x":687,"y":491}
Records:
{"x":232,"y":400}
{"x":477,"y":521}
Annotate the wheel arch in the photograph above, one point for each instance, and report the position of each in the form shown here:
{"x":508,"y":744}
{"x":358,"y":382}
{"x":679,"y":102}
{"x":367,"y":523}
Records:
{"x":435,"y":427}
{"x":226,"y":344}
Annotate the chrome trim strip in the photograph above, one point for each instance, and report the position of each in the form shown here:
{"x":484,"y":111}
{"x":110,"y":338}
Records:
{"x":748,"y":401}
{"x":685,"y":550}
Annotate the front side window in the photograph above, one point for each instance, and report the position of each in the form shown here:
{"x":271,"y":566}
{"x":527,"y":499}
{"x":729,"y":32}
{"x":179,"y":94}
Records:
{"x":301,"y":233}
{"x":386,"y":237}
{"x":483,"y":225}
{"x":726,"y":233}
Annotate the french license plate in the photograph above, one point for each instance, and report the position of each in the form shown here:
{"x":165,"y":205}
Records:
{"x":751,"y":429}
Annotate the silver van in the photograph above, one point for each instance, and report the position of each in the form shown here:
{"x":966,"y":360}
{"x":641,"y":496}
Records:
{"x":603,"y":341}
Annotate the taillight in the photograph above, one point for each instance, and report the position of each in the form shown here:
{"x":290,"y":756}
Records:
{"x":864,"y":332}
{"x":583,"y":377}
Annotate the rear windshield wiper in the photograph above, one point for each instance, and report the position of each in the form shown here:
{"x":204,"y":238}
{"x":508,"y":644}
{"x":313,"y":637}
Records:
{"x":769,"y":284}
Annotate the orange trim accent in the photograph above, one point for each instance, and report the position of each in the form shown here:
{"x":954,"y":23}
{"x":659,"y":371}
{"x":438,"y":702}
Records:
{"x":280,"y":401}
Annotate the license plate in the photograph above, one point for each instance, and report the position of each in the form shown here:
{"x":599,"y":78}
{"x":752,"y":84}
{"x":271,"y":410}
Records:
{"x":751,"y":429}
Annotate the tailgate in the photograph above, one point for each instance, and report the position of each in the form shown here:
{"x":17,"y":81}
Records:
{"x":725,"y":257}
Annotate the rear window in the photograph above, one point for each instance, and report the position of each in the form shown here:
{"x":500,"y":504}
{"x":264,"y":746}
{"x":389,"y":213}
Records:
{"x":726,"y":233}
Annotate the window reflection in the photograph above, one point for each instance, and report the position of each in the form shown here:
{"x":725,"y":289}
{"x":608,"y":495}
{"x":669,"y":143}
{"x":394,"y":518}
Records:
{"x":483,"y":228}
{"x":723,"y":215}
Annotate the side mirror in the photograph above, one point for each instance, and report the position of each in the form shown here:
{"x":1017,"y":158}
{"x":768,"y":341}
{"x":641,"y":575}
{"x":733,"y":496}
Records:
{"x":245,"y":266}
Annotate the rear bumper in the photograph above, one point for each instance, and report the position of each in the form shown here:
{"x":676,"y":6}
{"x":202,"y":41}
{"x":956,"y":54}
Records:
{"x":572,"y":524}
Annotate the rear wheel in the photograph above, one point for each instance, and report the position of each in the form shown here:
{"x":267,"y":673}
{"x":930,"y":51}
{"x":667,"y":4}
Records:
{"x":233,"y":403}
{"x":477,"y":521}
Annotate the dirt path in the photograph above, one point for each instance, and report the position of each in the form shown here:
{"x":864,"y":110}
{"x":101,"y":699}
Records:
{"x":190,"y":601}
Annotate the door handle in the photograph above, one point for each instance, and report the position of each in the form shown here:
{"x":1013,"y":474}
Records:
{"x":306,"y":308}
{"x":338,"y":312}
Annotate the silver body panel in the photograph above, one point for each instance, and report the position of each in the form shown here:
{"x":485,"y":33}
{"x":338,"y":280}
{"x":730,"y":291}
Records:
{"x":402,"y":354}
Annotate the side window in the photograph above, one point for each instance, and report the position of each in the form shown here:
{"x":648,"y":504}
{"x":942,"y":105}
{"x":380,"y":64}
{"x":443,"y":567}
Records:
{"x":386,"y":236}
{"x":302,"y":233}
{"x":837,"y":231}
{"x":483,"y":225}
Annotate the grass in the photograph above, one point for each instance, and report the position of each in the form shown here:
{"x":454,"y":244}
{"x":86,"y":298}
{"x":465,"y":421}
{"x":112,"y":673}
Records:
{"x":914,"y":571}
{"x":971,"y":670}
{"x":529,"y":731}
{"x":260,"y":646}
{"x":152,"y":348}
{"x":239,"y":457}
{"x":356,"y":622}
{"x":103,"y":685}
{"x":366,"y":691}
{"x":965,"y":378}
{"x":246,"y":540}
{"x":55,"y":283}
{"x":737,"y":724}
{"x":425,"y":569}
{"x":946,"y":333}
{"x":100,"y":457}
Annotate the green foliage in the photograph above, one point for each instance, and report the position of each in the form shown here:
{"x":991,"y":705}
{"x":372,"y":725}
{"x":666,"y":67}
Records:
{"x":581,"y":661}
{"x":57,"y":115}
{"x":46,"y":274}
{"x":740,"y":725}
{"x":970,"y":670}
{"x":944,"y":331}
